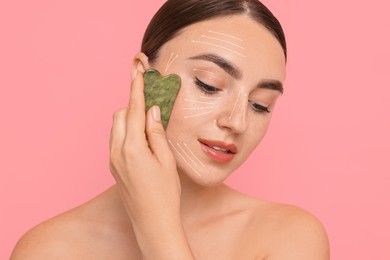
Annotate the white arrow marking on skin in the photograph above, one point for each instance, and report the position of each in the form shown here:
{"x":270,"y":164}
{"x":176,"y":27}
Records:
{"x":181,"y":148}
{"x":215,"y":98}
{"x":204,"y":71}
{"x":183,"y":158}
{"x":170,"y":61}
{"x":215,"y":124}
{"x":195,"y":101}
{"x":245,"y":108}
{"x":196,"y":108}
{"x":219,"y":46}
{"x":201,"y":114}
{"x":226,"y":35}
{"x":217,"y":39}
{"x":235,"y":104}
{"x":194,"y":155}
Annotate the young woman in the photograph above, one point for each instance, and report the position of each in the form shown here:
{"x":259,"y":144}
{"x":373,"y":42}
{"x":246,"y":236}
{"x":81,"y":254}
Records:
{"x":170,"y":201}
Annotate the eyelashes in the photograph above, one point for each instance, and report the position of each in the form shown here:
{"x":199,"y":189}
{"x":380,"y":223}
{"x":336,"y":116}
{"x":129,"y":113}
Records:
{"x":210,"y":90}
{"x":205,"y":88}
{"x":259,"y":108}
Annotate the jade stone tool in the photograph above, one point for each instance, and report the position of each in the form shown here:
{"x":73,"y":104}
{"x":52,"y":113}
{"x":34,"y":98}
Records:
{"x":161,"y":91}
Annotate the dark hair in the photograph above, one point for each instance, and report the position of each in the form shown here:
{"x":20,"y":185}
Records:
{"x":175,"y":15}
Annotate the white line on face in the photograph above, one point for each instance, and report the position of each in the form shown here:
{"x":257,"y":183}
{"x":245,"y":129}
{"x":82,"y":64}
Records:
{"x":215,"y":45}
{"x":235,"y":104}
{"x":181,"y":148}
{"x":217,"y":39}
{"x":170,"y":61}
{"x":215,"y":124}
{"x":200,"y":105}
{"x":183,"y":158}
{"x":194,"y":155}
{"x":226,"y":35}
{"x":201,"y":114}
{"x":196,"y":101}
{"x":214,"y":98}
{"x":245,"y":108}
{"x":197,"y":108}
{"x":204,"y":71}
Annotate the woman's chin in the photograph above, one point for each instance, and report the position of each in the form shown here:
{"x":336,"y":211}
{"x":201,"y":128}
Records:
{"x":202,"y":178}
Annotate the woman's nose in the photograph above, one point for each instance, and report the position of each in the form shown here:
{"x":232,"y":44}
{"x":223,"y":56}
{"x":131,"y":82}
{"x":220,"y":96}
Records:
{"x":234,"y":117}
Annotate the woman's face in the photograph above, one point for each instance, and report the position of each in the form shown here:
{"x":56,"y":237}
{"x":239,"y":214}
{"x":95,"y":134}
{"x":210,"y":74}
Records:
{"x":232,"y":71}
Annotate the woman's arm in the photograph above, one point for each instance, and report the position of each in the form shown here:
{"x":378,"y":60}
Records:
{"x":145,"y":171}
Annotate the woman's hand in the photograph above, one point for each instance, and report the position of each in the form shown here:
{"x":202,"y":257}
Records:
{"x":140,"y":159}
{"x":145,"y":171}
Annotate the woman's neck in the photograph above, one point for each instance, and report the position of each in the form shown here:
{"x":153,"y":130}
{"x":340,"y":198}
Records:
{"x":198,"y":202}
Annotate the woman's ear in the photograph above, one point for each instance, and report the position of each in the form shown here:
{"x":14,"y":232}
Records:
{"x":140,"y":64}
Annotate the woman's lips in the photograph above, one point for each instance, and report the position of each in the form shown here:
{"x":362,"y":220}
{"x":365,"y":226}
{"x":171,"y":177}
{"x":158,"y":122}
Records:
{"x":218,"y":151}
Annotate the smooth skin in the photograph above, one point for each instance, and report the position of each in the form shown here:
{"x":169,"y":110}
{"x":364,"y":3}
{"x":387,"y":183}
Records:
{"x":159,"y":208}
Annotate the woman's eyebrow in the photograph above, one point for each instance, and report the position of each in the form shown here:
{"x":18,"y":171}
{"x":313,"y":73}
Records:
{"x":236,"y":73}
{"x":227,"y":66}
{"x":271,"y":84}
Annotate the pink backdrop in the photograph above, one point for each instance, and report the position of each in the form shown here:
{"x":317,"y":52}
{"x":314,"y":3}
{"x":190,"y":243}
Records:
{"x":65,"y":69}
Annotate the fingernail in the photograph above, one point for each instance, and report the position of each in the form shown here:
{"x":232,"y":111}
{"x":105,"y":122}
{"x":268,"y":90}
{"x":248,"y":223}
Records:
{"x":156,"y":114}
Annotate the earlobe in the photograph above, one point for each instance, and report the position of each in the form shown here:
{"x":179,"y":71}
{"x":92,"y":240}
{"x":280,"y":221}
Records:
{"x":140,"y":64}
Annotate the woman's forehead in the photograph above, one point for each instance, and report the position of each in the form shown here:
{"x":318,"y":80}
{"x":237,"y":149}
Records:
{"x":234,"y":30}
{"x":239,"y":39}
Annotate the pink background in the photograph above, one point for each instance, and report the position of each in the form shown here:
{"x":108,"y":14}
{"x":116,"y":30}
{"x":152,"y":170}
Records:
{"x":65,"y":69}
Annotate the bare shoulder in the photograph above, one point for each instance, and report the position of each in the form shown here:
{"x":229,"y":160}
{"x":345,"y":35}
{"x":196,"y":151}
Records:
{"x":279,"y":231}
{"x":291,"y":232}
{"x":51,"y":239}
{"x":89,"y":231}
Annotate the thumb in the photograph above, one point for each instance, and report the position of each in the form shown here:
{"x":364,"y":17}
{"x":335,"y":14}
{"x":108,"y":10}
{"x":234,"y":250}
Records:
{"x":156,"y":134}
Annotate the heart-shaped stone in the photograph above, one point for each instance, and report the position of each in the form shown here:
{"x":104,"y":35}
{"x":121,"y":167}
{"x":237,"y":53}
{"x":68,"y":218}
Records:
{"x":161,"y":91}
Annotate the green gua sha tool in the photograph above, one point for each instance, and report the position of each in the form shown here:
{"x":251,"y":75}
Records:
{"x":161,"y":91}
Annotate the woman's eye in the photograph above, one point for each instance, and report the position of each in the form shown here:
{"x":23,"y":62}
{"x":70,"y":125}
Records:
{"x":259,"y":108}
{"x":207,"y":89}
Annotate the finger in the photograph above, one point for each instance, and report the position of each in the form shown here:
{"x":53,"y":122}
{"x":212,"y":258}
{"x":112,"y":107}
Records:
{"x":118,"y":129}
{"x":135,"y":119}
{"x":156,"y":135}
